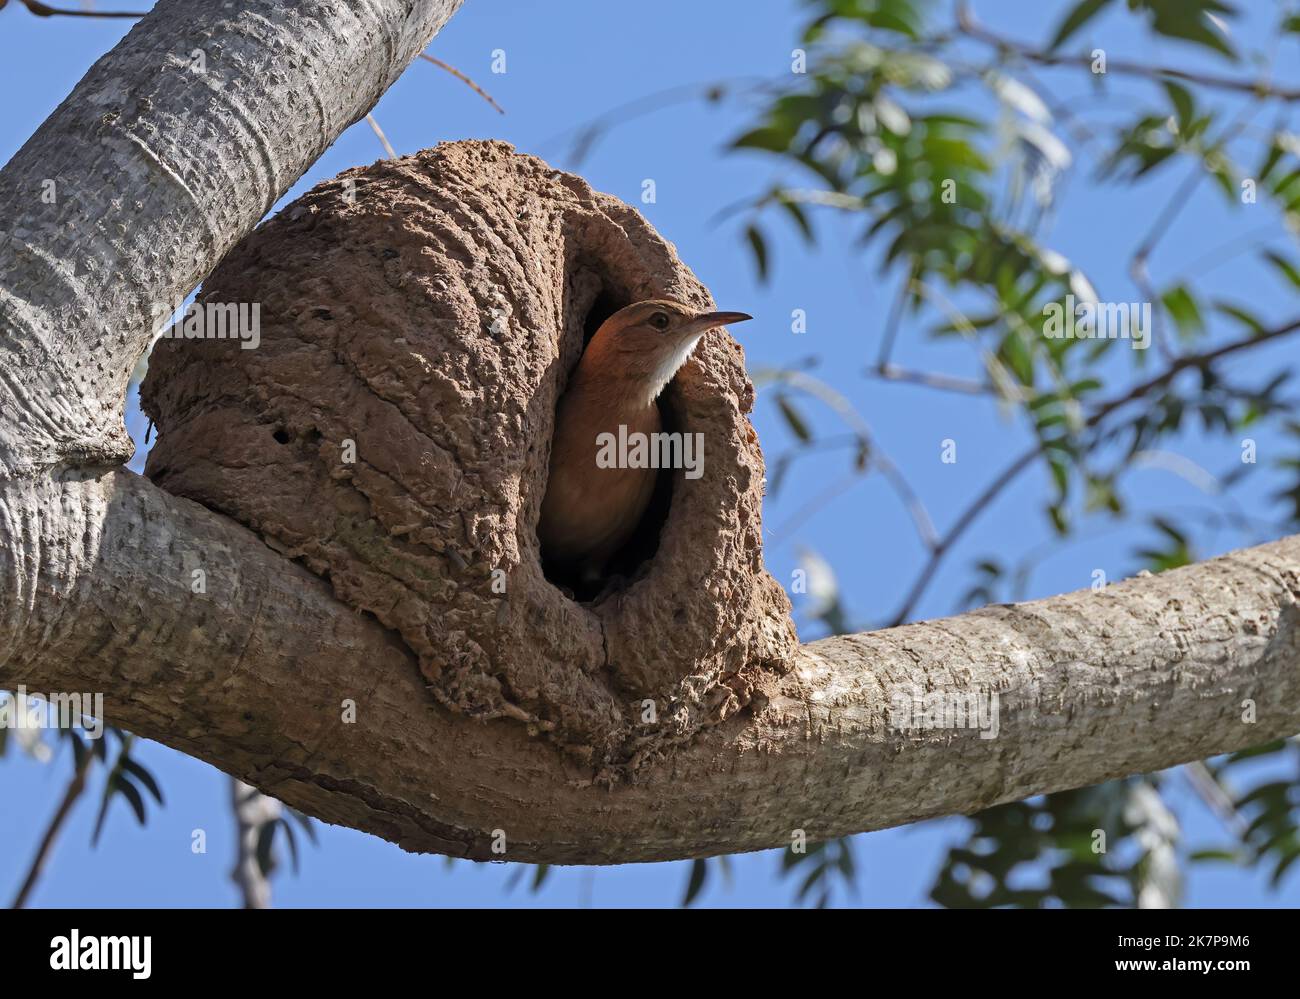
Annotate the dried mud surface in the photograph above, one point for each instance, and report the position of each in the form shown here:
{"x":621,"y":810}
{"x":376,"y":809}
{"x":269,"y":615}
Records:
{"x":423,"y":313}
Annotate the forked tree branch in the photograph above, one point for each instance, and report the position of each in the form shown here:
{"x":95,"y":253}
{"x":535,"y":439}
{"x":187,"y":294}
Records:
{"x":261,"y":675}
{"x":159,"y":167}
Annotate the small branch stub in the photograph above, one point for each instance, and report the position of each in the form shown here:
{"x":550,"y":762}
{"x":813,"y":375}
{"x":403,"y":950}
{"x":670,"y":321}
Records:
{"x":417,"y":320}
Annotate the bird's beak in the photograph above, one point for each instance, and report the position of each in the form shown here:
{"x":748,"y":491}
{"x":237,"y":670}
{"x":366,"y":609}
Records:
{"x":712,"y":320}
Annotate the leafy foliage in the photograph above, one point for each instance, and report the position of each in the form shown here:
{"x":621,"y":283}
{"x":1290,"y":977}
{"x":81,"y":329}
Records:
{"x":889,"y":129}
{"x":1268,"y":833}
{"x":267,"y":837}
{"x":1057,"y":835}
{"x":125,"y":779}
{"x":820,"y":870}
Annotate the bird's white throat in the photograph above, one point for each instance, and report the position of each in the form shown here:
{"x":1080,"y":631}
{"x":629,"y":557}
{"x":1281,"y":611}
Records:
{"x":670,"y":366}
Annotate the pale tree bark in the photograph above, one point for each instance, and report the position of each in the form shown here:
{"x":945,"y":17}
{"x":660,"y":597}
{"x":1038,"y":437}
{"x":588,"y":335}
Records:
{"x":252,"y":810}
{"x":161,"y":160}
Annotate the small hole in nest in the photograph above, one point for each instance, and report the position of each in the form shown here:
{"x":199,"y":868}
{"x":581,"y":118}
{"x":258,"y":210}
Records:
{"x":595,"y":299}
{"x":604,"y":305}
{"x":281,"y":435}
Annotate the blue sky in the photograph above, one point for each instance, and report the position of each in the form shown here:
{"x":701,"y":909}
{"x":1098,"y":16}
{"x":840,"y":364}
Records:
{"x":566,"y":65}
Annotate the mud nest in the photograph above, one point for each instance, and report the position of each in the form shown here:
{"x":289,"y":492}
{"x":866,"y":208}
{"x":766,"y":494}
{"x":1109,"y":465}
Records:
{"x":391,"y":430}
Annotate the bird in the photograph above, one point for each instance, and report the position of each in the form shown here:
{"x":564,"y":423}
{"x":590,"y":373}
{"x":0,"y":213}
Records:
{"x":590,"y":512}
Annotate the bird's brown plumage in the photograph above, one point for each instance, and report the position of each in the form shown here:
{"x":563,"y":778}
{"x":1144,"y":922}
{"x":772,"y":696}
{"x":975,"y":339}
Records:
{"x":589,"y":513}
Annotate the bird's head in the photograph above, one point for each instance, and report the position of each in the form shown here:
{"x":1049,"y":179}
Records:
{"x":648,"y":342}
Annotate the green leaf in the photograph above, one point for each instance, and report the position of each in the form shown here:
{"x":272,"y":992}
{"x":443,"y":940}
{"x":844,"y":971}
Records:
{"x":772,"y":138}
{"x":1271,"y":159}
{"x":776,"y":474}
{"x":1191,"y":21}
{"x":814,"y":876}
{"x":794,"y":419}
{"x":144,"y":777}
{"x":1289,"y":856}
{"x":1060,"y":520}
{"x":1241,"y":315}
{"x":800,"y":219}
{"x":292,"y":840}
{"x":1275,"y":790}
{"x":699,"y":874}
{"x":758,"y":246}
{"x":1076,"y":19}
{"x":306,"y":823}
{"x":1100,"y":495}
{"x":1284,"y":266}
{"x":845,"y":862}
{"x":78,"y":749}
{"x":1265,"y":749}
{"x":265,"y":843}
{"x":1060,"y":475}
{"x":132,"y":795}
{"x":1016,"y":355}
{"x":1183,"y":310}
{"x":1182,"y":100}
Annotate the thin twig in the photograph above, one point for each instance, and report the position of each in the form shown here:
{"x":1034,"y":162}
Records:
{"x":463,"y":79}
{"x":892,"y":324}
{"x":854,"y":420}
{"x":75,"y":788}
{"x":815,"y":504}
{"x":1185,"y":362}
{"x":1182,"y":197}
{"x":1003,"y":380}
{"x":586,"y":134}
{"x":1137,"y":265}
{"x":1210,"y":791}
{"x":1012,"y":471}
{"x":902,"y":488}
{"x":392,"y":155}
{"x":955,"y":532}
{"x":1221,"y":253}
{"x":1256,"y":88}
{"x":932,"y":379}
{"x":45,"y":10}
{"x":1061,"y":109}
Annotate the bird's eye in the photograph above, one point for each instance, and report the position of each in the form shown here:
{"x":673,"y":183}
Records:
{"x":659,"y":320}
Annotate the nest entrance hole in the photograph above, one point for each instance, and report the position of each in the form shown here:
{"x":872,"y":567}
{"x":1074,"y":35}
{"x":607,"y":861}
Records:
{"x":595,"y":296}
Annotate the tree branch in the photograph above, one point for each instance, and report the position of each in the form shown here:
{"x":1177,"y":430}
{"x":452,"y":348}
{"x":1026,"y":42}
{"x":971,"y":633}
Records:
{"x":261,"y":675}
{"x":264,"y":674}
{"x":74,"y":790}
{"x":252,"y":811}
{"x":1009,"y":474}
{"x":203,"y":116}
{"x":1256,"y":88}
